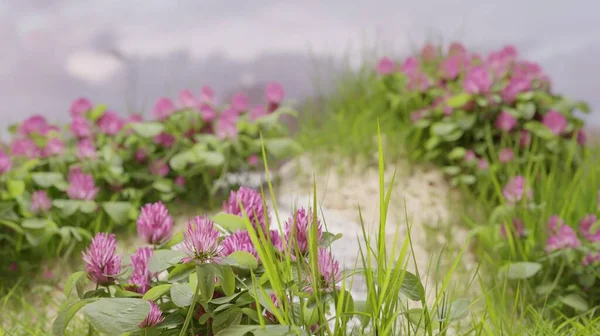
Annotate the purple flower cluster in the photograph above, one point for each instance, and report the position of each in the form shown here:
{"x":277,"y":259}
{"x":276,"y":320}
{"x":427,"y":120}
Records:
{"x":81,"y":185}
{"x":141,"y":276}
{"x":516,"y":189}
{"x":200,"y":241}
{"x":103,"y":265}
{"x":5,"y":163}
{"x":561,"y":236}
{"x":329,"y":272}
{"x":226,"y":121}
{"x":297,"y":230}
{"x":40,"y":202}
{"x":493,"y":83}
{"x":154,"y":317}
{"x":252,"y":203}
{"x":24,"y":143}
{"x":154,"y":224}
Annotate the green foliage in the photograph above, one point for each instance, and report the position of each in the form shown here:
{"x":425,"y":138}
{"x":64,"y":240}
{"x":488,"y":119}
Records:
{"x":183,"y":156}
{"x":483,"y":106}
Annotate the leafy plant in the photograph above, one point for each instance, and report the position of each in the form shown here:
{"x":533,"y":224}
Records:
{"x":544,"y":236}
{"x":233,"y":275}
{"x":464,"y":111}
{"x":219,"y":278}
{"x":60,"y":186}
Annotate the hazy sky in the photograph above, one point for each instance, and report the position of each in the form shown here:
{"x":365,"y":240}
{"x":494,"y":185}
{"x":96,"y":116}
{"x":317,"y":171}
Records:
{"x":55,"y":50}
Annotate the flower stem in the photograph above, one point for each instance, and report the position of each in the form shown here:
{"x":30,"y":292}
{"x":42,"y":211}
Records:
{"x":90,"y":329}
{"x":188,"y":318}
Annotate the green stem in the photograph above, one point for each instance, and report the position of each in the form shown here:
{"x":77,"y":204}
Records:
{"x":188,"y":318}
{"x":90,"y":329}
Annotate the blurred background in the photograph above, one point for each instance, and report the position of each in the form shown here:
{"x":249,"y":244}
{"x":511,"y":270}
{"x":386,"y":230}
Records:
{"x":128,"y":53}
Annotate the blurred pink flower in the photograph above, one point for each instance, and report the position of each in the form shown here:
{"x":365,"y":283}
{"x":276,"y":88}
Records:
{"x":555,"y":122}
{"x":140,"y":155}
{"x":252,"y":202}
{"x":134,"y":118}
{"x":532,"y":71}
{"x":36,"y":124}
{"x":456,"y":48}
{"x":274,"y":93}
{"x":207,"y":94}
{"x":208,"y":113}
{"x":25,"y":147}
{"x":141,"y":276}
{"x":441,"y":101}
{"x":239,"y":102}
{"x":505,"y":122}
{"x":451,"y":66}
{"x":410,"y":66}
{"x":589,"y":228}
{"x":54,"y":146}
{"x":5,"y":163}
{"x":429,"y":52}
{"x":187,"y":100}
{"x":517,"y":227}
{"x":47,"y":274}
{"x":238,"y":241}
{"x":163,"y":108}
{"x":419,"y":114}
{"x":257,"y":112}
{"x":477,"y":81}
{"x":591,"y":258}
{"x":385,"y":66}
{"x":40,"y":202}
{"x":164,"y":139}
{"x":581,"y":137}
{"x":110,"y":123}
{"x":483,"y":164}
{"x":555,"y":222}
{"x":80,"y":106}
{"x":510,"y":51}
{"x":154,"y":224}
{"x":200,"y":241}
{"x":329,"y":273}
{"x":253,"y":160}
{"x":81,"y":127}
{"x":103,"y":265}
{"x":506,"y":155}
{"x":86,"y":149}
{"x":470,"y":156}
{"x":515,"y":189}
{"x":227,"y":126}
{"x":81,"y":186}
{"x":180,"y":181}
{"x":154,"y":317}
{"x":524,"y":138}
{"x":418,"y":81}
{"x":500,"y":62}
{"x":561,"y":236}
{"x":159,"y":168}
{"x":297,"y":230}
{"x":515,"y":86}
